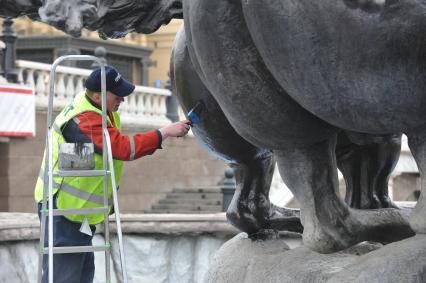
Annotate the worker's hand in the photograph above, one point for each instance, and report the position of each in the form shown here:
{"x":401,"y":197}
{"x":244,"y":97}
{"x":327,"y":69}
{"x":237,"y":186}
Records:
{"x":178,"y":129}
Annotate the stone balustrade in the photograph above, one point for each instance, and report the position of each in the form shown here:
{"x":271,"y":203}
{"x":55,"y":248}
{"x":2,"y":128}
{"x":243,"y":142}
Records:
{"x":146,"y":107}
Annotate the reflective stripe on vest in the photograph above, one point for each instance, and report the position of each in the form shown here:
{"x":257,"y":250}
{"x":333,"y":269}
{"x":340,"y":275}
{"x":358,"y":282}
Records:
{"x":76,"y":191}
{"x":132,"y":147}
{"x":56,"y":128}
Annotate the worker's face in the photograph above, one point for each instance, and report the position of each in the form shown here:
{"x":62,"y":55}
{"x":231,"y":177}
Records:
{"x":113,"y":102}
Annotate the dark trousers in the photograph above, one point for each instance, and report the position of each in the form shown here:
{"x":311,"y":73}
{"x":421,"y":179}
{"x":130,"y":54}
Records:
{"x":72,"y":267}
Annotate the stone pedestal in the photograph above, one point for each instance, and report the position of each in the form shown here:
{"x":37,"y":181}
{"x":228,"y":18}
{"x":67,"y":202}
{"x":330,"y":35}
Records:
{"x":242,"y":260}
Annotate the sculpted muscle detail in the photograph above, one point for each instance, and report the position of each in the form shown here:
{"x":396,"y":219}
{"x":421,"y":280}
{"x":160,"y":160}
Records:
{"x":340,"y":70}
{"x":239,"y":72}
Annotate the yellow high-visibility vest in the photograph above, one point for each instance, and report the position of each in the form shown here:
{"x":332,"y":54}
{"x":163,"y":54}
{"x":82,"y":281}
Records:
{"x":78,"y":192}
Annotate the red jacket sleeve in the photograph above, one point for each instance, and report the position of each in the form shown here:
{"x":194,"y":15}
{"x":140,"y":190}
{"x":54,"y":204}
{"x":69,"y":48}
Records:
{"x":124,"y":147}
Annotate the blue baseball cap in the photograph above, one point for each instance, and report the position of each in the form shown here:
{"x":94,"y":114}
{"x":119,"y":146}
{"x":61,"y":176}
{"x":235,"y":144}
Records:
{"x":114,"y":82}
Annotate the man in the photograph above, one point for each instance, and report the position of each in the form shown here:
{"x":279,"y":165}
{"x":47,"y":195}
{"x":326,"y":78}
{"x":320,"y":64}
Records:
{"x":81,"y":122}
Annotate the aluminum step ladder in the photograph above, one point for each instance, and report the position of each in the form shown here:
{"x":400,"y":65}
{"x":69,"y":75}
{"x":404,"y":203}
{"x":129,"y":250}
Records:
{"x":48,"y":190}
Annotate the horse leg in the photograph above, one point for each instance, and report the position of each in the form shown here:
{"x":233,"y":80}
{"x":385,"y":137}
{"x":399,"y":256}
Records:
{"x":250,"y":209}
{"x":386,"y":155}
{"x":350,"y":162}
{"x":366,"y":162}
{"x":329,"y":224}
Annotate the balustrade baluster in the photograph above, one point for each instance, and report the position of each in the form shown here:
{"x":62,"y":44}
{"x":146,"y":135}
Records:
{"x":40,"y":88}
{"x":140,"y":105}
{"x":137,"y":96}
{"x":132,"y":104}
{"x":44,"y":96}
{"x":79,"y":86}
{"x":60,"y":88}
{"x":148,"y":105}
{"x":70,"y":90}
{"x":30,"y":78}
{"x":155,"y":107}
{"x":163,"y":108}
{"x":21,"y":76}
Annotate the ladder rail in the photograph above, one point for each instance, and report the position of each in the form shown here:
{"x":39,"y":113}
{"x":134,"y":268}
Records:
{"x":116,"y":209}
{"x":48,"y":194}
{"x":50,"y":203}
{"x":42,"y":216}
{"x":105,"y":152}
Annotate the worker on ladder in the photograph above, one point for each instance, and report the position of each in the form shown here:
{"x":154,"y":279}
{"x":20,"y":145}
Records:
{"x":81,"y":122}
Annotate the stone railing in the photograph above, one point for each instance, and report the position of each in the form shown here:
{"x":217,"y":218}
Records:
{"x":146,"y":107}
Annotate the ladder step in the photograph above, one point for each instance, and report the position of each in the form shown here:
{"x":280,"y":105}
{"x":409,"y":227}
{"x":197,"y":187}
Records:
{"x":94,"y":210}
{"x":81,"y":173}
{"x":77,"y":249}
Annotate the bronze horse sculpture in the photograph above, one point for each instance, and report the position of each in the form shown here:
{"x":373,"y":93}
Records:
{"x":312,"y":84}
